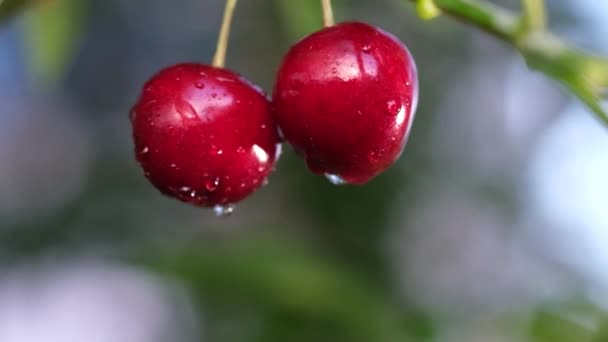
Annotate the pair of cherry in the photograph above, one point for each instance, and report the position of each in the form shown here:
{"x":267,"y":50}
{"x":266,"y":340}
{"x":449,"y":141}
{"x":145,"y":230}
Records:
{"x":344,"y":98}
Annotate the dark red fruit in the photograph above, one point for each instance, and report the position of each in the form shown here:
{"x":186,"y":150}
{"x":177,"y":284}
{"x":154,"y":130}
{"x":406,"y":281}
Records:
{"x":204,"y":135}
{"x":345,"y":98}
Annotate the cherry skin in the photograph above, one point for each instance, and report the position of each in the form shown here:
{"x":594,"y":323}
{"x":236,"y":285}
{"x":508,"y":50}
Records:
{"x":204,"y":135}
{"x":345,"y":98}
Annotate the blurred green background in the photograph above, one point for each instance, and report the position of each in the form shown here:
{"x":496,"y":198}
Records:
{"x":491,"y":227}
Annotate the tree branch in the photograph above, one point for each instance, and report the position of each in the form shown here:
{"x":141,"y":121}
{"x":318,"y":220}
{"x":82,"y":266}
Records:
{"x":582,"y":73}
{"x":533,"y":17}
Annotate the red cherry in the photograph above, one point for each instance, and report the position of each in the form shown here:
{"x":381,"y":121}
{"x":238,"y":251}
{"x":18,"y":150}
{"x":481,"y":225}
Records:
{"x":204,"y":135}
{"x":345,"y":98}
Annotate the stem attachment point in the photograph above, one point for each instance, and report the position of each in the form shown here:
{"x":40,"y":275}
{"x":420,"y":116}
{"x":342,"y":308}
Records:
{"x":328,"y":14}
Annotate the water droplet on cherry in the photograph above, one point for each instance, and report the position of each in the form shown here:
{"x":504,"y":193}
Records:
{"x":185,"y":109}
{"x":393,"y":107}
{"x":212,"y":184}
{"x":223,"y":210}
{"x":335,"y":179}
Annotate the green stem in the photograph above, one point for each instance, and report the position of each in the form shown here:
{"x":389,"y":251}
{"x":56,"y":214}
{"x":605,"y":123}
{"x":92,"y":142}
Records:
{"x":533,"y":17}
{"x":584,"y":74}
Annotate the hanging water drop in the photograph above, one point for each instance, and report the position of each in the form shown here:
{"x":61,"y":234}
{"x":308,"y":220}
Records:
{"x":278,"y":151}
{"x":223,"y":210}
{"x":281,"y":134}
{"x":335,"y":179}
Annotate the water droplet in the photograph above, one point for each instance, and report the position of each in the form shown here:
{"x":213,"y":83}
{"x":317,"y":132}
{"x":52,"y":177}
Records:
{"x":263,"y":126}
{"x":374,"y":157}
{"x":145,"y":150}
{"x":202,"y":73}
{"x":260,"y":168}
{"x":265,"y":182}
{"x":214,"y":95}
{"x":240,"y":149}
{"x":184,"y":190}
{"x":359,"y":112}
{"x":281,"y":134}
{"x":193,"y":193}
{"x":290,"y":92}
{"x":173,"y":166}
{"x":242,"y":185}
{"x":212,"y":184}
{"x":335,"y":179}
{"x":185,"y":109}
{"x":224,"y":79}
{"x":334,"y":71}
{"x":214,"y":150}
{"x":366,"y":48}
{"x":178,"y":78}
{"x":223,"y":210}
{"x":393,"y":107}
{"x":199,"y":85}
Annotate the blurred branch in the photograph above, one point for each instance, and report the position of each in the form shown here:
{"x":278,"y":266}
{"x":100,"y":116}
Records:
{"x":582,"y":73}
{"x":533,"y":17}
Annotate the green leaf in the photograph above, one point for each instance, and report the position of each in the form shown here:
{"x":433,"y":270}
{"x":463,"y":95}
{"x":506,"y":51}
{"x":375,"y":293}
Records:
{"x":52,"y":32}
{"x":287,"y":281}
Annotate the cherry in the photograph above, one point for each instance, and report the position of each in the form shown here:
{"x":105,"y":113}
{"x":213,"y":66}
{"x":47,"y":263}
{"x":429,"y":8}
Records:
{"x":204,"y":134}
{"x":345,"y":98}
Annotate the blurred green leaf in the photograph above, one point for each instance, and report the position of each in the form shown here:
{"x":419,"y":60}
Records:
{"x":550,"y":327}
{"x":52,"y":31}
{"x":299,"y":17}
{"x":8,"y":8}
{"x":295,"y":287}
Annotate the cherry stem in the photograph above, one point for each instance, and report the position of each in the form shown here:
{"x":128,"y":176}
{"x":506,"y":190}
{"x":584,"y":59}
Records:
{"x":222,"y":40}
{"x":328,"y":14}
